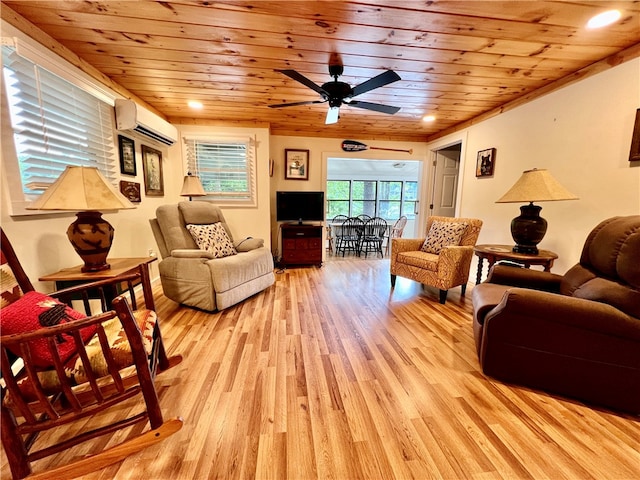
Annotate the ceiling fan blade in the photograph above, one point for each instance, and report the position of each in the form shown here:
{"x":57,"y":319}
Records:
{"x":332,"y":115}
{"x":376,"y":107}
{"x":378,"y":81}
{"x":296,"y":104}
{"x":298,"y":77}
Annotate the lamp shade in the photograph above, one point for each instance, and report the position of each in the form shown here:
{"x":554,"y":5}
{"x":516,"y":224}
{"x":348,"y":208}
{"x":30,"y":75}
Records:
{"x":536,"y":185}
{"x":81,"y":189}
{"x":191,"y":187}
{"x":86,"y":191}
{"x":529,"y":228}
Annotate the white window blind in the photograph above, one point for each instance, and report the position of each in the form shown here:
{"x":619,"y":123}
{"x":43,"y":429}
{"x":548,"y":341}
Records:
{"x":55,"y":124}
{"x":226,"y":168}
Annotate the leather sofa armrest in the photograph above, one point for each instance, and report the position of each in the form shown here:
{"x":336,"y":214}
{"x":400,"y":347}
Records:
{"x":191,"y":253}
{"x":525,"y":278}
{"x":485,"y":297}
{"x":569,"y":311}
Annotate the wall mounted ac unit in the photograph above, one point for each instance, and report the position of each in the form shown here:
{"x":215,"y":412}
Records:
{"x":132,"y":117}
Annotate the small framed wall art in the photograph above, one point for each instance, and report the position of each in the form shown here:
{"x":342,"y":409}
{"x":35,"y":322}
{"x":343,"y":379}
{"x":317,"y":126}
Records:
{"x":296,"y":164}
{"x":127,"y":155}
{"x":485,"y":162}
{"x":131,"y":190}
{"x":152,"y":168}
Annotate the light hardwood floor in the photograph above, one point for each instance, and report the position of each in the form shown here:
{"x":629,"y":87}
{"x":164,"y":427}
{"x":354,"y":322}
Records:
{"x":330,"y":374}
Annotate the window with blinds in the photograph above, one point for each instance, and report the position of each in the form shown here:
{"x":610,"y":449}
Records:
{"x":226,"y":169}
{"x":55,"y":124}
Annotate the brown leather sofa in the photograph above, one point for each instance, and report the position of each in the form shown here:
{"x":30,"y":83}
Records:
{"x":576,"y":335}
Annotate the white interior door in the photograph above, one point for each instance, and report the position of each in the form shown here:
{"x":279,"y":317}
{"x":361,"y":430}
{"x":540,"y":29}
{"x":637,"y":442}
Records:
{"x":445,"y":182}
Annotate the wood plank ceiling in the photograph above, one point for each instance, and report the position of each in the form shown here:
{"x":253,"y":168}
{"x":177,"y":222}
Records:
{"x":458,"y":60}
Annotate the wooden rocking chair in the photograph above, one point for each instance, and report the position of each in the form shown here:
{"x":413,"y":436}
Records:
{"x":114,"y":356}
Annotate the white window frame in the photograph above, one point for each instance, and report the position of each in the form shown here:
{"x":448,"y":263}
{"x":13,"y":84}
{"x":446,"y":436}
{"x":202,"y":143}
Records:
{"x":350,"y":200}
{"x":225,"y":198}
{"x":44,"y":58}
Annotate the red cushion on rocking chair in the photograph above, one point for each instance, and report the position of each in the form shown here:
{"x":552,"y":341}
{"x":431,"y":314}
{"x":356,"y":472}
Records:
{"x":34,"y":311}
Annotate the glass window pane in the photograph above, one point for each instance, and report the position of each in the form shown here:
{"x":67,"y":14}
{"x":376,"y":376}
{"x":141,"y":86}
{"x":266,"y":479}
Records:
{"x":357,"y":208}
{"x":338,"y":189}
{"x":408,"y":210}
{"x":337,"y":207}
{"x":363,"y":190}
{"x":389,"y":210}
{"x":369,"y":208}
{"x":410,"y":191}
{"x":390,"y":190}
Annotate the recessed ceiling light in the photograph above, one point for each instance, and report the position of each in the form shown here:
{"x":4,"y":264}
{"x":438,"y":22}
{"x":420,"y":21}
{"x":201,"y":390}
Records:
{"x":603,"y":19}
{"x":195,"y":104}
{"x":429,"y":118}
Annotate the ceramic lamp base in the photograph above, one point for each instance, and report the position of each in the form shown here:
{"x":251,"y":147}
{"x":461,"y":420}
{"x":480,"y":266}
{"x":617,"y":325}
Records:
{"x":528,"y":229}
{"x":91,"y":237}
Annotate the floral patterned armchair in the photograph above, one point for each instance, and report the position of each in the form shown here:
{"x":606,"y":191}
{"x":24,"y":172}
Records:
{"x":442,"y":259}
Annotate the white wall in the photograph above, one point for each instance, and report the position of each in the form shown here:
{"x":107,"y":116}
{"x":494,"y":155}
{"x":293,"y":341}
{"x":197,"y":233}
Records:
{"x":320,"y":149}
{"x":243,"y":221}
{"x":582,"y":135}
{"x":41,"y":242}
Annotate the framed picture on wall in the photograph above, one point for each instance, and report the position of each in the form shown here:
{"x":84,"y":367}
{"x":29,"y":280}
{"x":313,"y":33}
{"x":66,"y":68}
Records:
{"x":485,"y":162}
{"x":296,"y":164}
{"x":152,"y":168}
{"x":131,"y":190}
{"x":127,"y":155}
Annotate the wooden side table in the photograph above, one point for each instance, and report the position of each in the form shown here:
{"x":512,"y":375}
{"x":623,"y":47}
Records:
{"x":68,"y":277}
{"x":494,"y":253}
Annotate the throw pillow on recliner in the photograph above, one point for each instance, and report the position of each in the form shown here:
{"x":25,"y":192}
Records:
{"x":443,"y":234}
{"x":212,"y":238}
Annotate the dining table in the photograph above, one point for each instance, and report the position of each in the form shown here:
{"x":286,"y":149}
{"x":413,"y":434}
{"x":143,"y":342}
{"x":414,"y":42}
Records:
{"x":334,"y":231}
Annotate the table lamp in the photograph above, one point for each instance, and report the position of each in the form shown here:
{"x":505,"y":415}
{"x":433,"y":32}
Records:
{"x":85,"y":190}
{"x":529,"y":228}
{"x":191,"y":187}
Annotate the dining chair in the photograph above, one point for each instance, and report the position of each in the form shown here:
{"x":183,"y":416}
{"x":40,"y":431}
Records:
{"x":333,"y":231}
{"x":350,"y":235}
{"x":395,"y":231}
{"x":373,"y":234}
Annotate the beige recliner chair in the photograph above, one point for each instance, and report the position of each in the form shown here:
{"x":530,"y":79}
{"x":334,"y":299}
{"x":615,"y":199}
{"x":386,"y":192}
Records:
{"x":192,"y":276}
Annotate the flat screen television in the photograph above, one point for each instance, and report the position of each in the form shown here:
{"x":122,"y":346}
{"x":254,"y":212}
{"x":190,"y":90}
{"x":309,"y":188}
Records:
{"x":300,"y":207}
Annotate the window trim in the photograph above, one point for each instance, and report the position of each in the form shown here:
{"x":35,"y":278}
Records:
{"x":17,"y":200}
{"x":251,"y":143}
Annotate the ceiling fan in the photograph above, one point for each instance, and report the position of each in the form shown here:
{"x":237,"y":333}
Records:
{"x":339,"y":93}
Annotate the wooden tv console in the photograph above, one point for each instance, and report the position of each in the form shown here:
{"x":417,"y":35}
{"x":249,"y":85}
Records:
{"x":301,"y":244}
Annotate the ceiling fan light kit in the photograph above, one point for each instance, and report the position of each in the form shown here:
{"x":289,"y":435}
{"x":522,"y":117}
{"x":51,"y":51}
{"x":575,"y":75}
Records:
{"x":338,"y":93}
